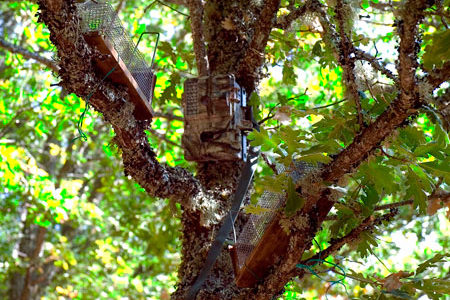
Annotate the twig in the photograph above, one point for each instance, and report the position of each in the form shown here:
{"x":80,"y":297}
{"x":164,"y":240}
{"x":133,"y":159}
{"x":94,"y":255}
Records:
{"x":30,"y":55}
{"x":374,"y":62}
{"x":162,"y":3}
{"x":328,"y":105}
{"x":366,"y":225}
{"x":270,"y":115}
{"x":167,"y":116}
{"x":284,"y":22}
{"x":271,"y":165}
{"x":163,"y":137}
{"x":438,"y":76}
{"x":120,"y":6}
{"x":196,"y":12}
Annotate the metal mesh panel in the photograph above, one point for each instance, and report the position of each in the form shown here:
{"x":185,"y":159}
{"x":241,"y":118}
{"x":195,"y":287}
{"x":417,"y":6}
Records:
{"x":256,"y":225}
{"x":191,"y":97}
{"x":101,"y":17}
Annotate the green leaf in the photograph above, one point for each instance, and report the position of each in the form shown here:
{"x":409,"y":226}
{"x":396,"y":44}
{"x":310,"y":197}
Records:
{"x":256,"y":209}
{"x":289,"y":77}
{"x":440,"y":168}
{"x":370,"y":199}
{"x":315,"y":158}
{"x":367,"y":241}
{"x":382,"y":177}
{"x":263,"y":139}
{"x":415,"y":190}
{"x":431,"y":263}
{"x":438,"y":51}
{"x":294,"y":202}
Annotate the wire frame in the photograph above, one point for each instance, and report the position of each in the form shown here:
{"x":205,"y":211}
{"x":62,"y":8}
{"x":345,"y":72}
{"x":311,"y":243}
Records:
{"x":100,"y":17}
{"x":256,"y":225}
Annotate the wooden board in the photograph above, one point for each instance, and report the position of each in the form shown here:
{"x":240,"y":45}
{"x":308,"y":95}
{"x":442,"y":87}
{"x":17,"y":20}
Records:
{"x":271,"y":247}
{"x":121,"y":75}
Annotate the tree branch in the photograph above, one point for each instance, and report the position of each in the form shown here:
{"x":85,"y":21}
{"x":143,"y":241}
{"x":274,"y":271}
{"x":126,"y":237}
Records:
{"x":29,"y":55}
{"x":163,"y":137}
{"x":438,"y":76}
{"x":78,"y":76}
{"x":196,"y":13}
{"x":168,"y":116}
{"x":253,"y":59}
{"x":367,"y":224}
{"x":374,"y":62}
{"x":347,"y":61}
{"x":285,"y":21}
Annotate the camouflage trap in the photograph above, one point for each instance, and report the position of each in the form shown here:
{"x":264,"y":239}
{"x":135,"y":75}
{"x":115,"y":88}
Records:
{"x":216,"y":119}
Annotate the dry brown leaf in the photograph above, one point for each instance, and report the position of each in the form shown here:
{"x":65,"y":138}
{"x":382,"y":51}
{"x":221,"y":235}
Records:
{"x":164,"y":295}
{"x":392,"y":282}
{"x":283,"y":114}
{"x":228,"y":24}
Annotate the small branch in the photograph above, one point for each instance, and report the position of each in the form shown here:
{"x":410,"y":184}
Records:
{"x":270,"y":115}
{"x":29,"y":55}
{"x":374,"y":62}
{"x":120,"y":6}
{"x":347,"y":61}
{"x":196,"y":13}
{"x":167,"y":116}
{"x":328,"y":105}
{"x":163,"y":137}
{"x":271,"y":165}
{"x":438,"y":76}
{"x":168,"y":6}
{"x":366,"y":225}
{"x":284,"y":22}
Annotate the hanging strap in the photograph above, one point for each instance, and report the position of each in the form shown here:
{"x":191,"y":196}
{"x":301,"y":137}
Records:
{"x":228,"y":220}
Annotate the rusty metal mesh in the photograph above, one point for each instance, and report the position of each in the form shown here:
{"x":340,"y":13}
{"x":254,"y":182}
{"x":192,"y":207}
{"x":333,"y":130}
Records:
{"x":100,"y":17}
{"x":256,"y":225}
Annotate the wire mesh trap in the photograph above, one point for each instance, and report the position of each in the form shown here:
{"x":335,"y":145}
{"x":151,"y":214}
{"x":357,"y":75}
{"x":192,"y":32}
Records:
{"x":252,"y":257}
{"x":122,"y":62}
{"x":216,"y":119}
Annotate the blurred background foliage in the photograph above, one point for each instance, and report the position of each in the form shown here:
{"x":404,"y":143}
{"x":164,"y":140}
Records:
{"x":104,"y":238}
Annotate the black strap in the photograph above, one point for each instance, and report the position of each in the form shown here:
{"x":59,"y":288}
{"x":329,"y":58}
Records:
{"x":228,"y":222}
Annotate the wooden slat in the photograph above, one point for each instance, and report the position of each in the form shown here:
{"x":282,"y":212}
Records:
{"x":271,"y":246}
{"x":121,"y":75}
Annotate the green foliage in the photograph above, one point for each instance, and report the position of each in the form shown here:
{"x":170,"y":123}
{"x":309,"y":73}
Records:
{"x":438,"y":52}
{"x":293,"y":200}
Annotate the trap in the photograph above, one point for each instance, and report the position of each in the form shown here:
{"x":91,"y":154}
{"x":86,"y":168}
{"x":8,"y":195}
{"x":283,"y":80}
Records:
{"x":255,"y":250}
{"x":216,"y":119}
{"x":121,"y":62}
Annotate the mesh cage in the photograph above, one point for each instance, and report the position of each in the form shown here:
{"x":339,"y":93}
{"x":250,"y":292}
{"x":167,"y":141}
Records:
{"x":100,"y":17}
{"x":256,"y":225}
{"x":191,"y":97}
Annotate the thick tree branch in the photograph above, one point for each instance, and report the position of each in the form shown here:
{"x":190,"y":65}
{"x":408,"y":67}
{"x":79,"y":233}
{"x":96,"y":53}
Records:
{"x":78,"y":76}
{"x":254,"y":58}
{"x":196,"y":13}
{"x":28,"y":54}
